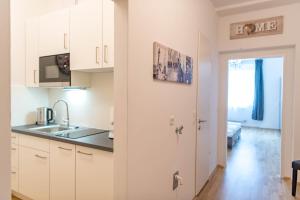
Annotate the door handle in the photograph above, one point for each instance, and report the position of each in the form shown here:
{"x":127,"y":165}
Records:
{"x":201,"y":121}
{"x":42,"y":157}
{"x":88,"y":154}
{"x":34,"y":76}
{"x":65,"y":41}
{"x":97,"y":55}
{"x":105,"y":54}
{"x":65,"y":149}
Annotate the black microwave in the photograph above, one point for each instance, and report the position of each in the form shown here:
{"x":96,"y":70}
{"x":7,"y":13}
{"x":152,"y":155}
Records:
{"x":54,"y":71}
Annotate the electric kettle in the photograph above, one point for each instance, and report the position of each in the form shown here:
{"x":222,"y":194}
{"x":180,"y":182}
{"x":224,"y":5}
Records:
{"x":44,"y":115}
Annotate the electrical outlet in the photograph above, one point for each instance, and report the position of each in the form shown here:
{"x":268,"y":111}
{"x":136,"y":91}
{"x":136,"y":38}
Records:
{"x":175,"y":180}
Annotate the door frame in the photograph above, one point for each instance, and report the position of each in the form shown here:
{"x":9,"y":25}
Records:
{"x":287,"y":101}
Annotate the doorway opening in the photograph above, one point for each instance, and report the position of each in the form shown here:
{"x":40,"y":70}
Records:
{"x":254,"y":117}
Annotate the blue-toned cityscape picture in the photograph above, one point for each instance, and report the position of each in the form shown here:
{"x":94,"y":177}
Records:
{"x":170,"y":65}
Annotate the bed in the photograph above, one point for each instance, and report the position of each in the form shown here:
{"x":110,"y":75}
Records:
{"x":233,"y":133}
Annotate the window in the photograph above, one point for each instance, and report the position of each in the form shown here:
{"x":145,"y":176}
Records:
{"x":241,"y":83}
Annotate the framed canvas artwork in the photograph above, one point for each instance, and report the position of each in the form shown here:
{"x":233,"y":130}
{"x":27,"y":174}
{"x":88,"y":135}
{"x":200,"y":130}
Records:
{"x":171,"y":65}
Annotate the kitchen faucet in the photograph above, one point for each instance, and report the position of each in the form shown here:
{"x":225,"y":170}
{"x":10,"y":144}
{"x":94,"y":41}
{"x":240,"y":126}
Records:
{"x":67,"y":107}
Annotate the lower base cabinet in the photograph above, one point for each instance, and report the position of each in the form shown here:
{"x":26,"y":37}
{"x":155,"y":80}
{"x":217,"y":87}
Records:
{"x":15,"y":167}
{"x":94,"y":174}
{"x":62,"y":171}
{"x":49,"y":170}
{"x":34,"y":173}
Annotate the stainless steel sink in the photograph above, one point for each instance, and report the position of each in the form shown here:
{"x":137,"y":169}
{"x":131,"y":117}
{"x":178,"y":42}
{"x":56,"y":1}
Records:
{"x":55,"y":129}
{"x":72,"y":132}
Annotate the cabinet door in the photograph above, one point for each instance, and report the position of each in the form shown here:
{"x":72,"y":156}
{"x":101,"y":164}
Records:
{"x":108,"y":33}
{"x":94,"y":174}
{"x":32,"y":55}
{"x":34,"y":173}
{"x":54,"y":33}
{"x":62,"y":173}
{"x":86,"y":37}
{"x":14,"y":167}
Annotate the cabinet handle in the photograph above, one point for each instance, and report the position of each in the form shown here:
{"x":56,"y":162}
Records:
{"x":13,"y":172}
{"x":13,"y":137}
{"x":97,"y":55}
{"x":65,"y":41}
{"x":105,"y":53}
{"x":88,"y":154}
{"x":34,"y":76}
{"x":42,"y":157}
{"x":65,"y":149}
{"x":13,"y":149}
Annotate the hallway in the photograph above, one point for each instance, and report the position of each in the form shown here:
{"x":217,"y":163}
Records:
{"x":253,"y":171}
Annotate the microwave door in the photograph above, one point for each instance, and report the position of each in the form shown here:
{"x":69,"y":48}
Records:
{"x":54,"y":73}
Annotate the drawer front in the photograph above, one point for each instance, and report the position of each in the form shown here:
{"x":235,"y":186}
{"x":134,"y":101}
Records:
{"x":34,"y":142}
{"x":14,"y":138}
{"x":14,"y":181}
{"x":14,"y":157}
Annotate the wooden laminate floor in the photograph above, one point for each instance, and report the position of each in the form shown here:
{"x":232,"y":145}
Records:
{"x":253,"y":171}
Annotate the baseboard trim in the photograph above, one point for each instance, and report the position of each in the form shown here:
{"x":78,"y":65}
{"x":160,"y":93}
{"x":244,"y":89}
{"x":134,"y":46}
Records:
{"x":210,"y":178}
{"x":20,"y":196}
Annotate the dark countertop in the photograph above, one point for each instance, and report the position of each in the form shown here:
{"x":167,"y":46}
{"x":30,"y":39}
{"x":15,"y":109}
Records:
{"x":99,"y":141}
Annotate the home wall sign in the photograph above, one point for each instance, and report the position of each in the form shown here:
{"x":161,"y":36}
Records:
{"x":255,"y":28}
{"x":171,"y":65}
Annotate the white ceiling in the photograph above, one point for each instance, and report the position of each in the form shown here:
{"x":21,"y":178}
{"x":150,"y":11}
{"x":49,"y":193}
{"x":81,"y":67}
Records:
{"x":222,"y":3}
{"x":229,"y":7}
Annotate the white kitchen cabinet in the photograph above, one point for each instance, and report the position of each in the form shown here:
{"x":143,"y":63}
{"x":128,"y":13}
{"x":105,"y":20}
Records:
{"x":14,"y":138}
{"x":62,"y":171}
{"x":54,"y":33}
{"x":92,"y":35}
{"x":15,"y":167}
{"x":34,"y":173}
{"x":86,"y":37}
{"x":32,"y":55}
{"x":94,"y":174}
{"x":108,"y":34}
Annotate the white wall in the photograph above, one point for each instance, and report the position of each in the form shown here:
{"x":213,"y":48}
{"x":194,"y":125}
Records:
{"x":289,"y":37}
{"x":5,"y":100}
{"x":90,"y":107}
{"x":273,"y":71}
{"x":154,"y":150}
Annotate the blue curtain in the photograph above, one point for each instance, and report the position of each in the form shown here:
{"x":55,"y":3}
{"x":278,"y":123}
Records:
{"x":258,"y":104}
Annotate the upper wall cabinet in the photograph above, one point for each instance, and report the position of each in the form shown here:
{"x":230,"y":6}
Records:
{"x":54,"y":32}
{"x":32,"y":55}
{"x":92,"y":36}
{"x":108,"y":33}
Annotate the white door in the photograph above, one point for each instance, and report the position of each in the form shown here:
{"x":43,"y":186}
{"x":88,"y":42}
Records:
{"x":86,"y":37}
{"x":94,"y":174}
{"x":108,"y":33}
{"x":54,"y":33}
{"x":203,"y":95}
{"x":62,"y":173}
{"x":34,"y":173}
{"x":32,"y":52}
